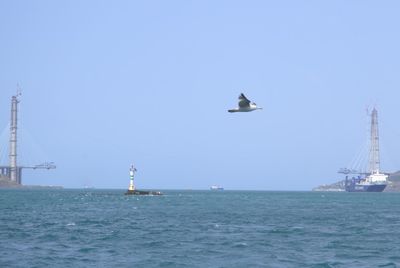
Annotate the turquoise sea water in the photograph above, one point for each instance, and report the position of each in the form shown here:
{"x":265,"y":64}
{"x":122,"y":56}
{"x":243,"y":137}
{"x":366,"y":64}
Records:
{"x":104,"y":228}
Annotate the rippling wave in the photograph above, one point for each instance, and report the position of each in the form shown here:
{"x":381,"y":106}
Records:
{"x":104,"y":228}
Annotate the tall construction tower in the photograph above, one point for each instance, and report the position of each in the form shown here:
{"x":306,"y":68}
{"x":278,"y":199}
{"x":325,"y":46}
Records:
{"x":14,"y":172}
{"x":11,"y":175}
{"x":373,"y":168}
{"x":374,"y":162}
{"x":372,"y":180}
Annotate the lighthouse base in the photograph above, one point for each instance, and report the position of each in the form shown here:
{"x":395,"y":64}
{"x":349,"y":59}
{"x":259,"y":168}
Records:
{"x":139,"y":192}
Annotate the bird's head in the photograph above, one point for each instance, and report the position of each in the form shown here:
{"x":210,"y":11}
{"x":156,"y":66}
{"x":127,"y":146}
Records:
{"x":255,"y":106}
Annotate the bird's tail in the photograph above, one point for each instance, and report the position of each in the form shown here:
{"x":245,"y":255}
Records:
{"x":232,"y":111}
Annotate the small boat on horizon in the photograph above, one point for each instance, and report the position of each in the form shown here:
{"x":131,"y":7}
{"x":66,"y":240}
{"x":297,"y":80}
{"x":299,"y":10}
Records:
{"x":216,"y":188}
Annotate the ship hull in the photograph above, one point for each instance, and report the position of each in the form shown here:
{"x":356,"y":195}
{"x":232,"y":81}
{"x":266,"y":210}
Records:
{"x":366,"y":188}
{"x":216,"y":188}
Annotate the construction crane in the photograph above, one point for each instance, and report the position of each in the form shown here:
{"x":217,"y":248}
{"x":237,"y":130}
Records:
{"x":349,"y":171}
{"x":45,"y":165}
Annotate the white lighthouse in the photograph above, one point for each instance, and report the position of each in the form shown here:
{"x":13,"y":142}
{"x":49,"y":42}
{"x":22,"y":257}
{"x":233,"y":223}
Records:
{"x":131,"y":175}
{"x":132,"y":190}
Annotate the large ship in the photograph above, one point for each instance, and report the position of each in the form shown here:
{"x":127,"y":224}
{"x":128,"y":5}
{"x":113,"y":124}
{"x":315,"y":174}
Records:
{"x":372,"y":183}
{"x":372,"y":180}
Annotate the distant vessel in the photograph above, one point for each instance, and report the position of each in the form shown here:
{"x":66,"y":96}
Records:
{"x":371,"y":183}
{"x":216,"y":188}
{"x":373,"y":180}
{"x":133,"y":191}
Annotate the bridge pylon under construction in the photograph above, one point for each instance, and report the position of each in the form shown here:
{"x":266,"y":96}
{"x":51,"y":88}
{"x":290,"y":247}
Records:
{"x":11,"y":175}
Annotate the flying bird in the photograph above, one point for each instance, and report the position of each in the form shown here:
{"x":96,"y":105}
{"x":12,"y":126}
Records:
{"x":245,"y":105}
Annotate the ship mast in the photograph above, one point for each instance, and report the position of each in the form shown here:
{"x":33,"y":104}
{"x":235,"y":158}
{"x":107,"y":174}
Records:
{"x":374,"y":161}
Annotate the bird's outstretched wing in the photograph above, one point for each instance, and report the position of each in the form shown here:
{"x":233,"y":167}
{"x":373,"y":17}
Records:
{"x":243,"y":101}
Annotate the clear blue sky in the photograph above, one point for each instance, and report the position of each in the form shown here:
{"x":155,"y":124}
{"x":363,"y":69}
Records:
{"x":107,"y":83}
